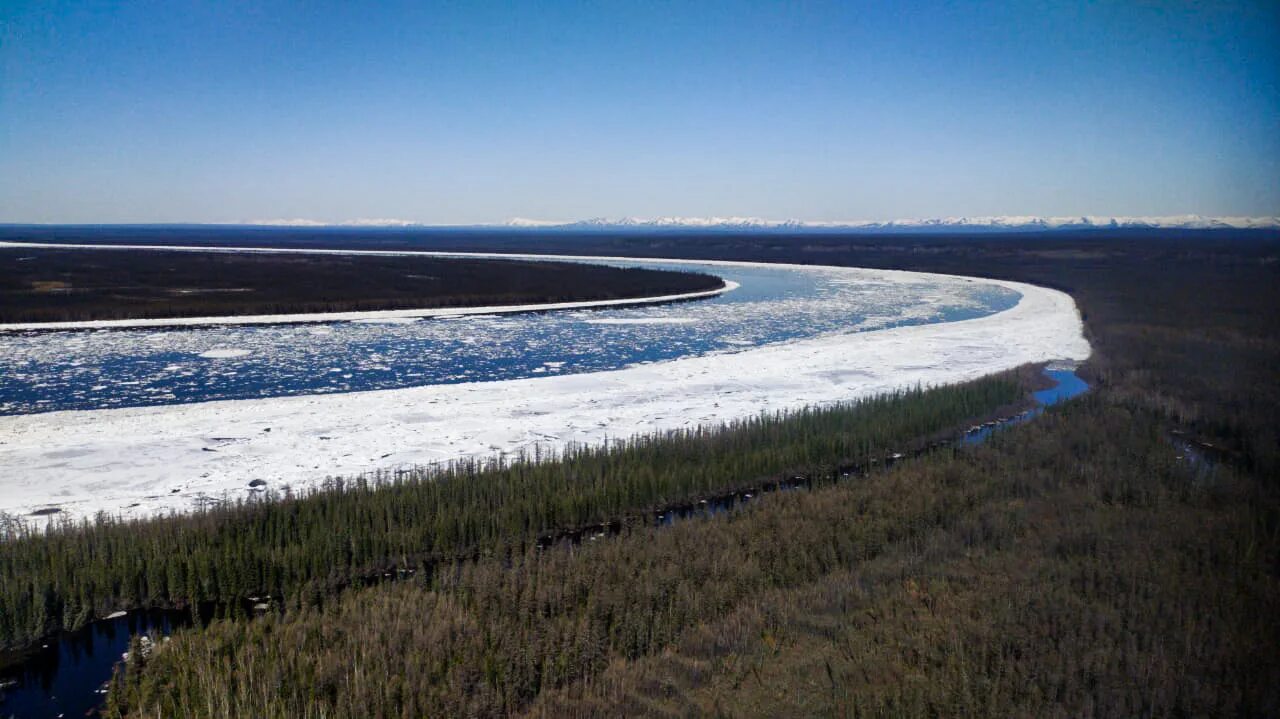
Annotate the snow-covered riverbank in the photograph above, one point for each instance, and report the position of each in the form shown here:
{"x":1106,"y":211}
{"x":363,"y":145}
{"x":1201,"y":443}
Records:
{"x":151,"y":459}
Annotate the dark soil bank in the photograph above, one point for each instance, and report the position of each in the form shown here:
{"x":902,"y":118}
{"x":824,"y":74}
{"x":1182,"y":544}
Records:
{"x":48,"y":285}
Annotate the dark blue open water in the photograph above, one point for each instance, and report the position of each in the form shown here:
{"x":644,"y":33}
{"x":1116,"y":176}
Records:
{"x":1066,"y":385}
{"x":66,"y":676}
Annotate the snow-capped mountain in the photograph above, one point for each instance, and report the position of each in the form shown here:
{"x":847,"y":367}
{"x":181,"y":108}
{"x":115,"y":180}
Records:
{"x":736,"y":222}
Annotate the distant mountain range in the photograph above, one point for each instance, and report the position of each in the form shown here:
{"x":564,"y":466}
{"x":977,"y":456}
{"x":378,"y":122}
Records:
{"x":1008,"y":222}
{"x":1015,"y":222}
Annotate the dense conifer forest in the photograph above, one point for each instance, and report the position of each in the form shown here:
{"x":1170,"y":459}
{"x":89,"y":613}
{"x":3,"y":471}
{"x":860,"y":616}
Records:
{"x":1117,"y":556}
{"x":1074,"y":567}
{"x":57,"y":285}
{"x":300,"y":549}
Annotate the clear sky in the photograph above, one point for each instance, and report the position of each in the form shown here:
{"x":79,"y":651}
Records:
{"x":464,"y":112}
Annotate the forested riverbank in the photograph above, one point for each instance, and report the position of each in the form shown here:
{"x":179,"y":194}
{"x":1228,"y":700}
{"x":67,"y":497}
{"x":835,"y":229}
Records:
{"x":993,"y":581}
{"x":299,"y":549}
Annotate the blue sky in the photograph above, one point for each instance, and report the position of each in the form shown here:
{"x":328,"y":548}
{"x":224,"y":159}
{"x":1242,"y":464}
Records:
{"x":466,"y":112}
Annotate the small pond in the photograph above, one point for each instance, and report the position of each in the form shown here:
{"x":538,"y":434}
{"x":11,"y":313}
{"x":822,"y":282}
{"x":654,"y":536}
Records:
{"x":66,"y":676}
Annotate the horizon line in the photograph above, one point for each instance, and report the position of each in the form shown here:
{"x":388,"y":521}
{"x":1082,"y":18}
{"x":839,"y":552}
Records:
{"x":997,"y":222}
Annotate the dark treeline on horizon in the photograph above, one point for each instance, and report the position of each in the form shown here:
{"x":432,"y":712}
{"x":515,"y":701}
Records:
{"x":54,"y":285}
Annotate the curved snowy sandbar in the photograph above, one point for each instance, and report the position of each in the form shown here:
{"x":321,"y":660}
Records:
{"x":150,"y":459}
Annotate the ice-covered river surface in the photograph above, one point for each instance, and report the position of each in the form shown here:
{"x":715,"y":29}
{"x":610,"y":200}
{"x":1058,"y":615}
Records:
{"x":138,"y":420}
{"x":105,"y":368}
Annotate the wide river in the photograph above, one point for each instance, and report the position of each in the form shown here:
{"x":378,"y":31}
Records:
{"x":142,"y":421}
{"x":42,"y":371}
{"x":466,"y":386}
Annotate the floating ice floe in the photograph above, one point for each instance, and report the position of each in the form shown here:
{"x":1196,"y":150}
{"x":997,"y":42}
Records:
{"x":387,"y":320}
{"x":225,"y":353}
{"x":643,"y":321}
